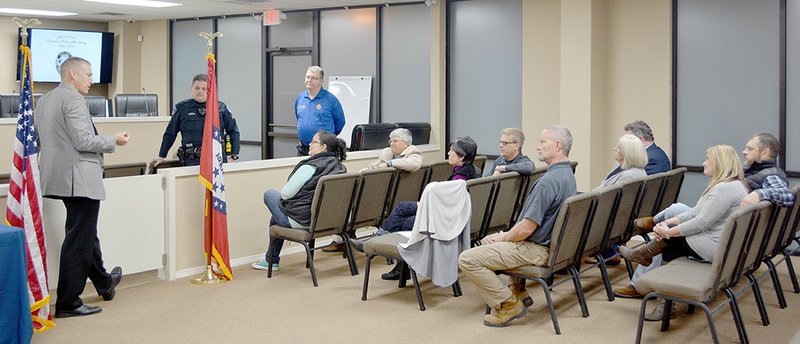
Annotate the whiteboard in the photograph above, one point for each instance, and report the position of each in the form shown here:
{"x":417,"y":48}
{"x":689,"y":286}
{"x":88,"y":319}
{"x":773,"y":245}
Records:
{"x":354,"y":92}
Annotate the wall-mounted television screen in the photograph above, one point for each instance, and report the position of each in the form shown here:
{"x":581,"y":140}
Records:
{"x":51,"y":47}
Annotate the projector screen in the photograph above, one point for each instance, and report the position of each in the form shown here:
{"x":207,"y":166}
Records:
{"x":51,"y":47}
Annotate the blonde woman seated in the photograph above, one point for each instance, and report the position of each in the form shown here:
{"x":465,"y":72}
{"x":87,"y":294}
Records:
{"x":696,"y":231}
{"x":631,"y":159}
{"x":400,"y":154}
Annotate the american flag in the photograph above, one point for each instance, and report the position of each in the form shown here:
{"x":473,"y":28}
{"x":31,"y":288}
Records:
{"x":24,"y":200}
{"x":211,"y":176}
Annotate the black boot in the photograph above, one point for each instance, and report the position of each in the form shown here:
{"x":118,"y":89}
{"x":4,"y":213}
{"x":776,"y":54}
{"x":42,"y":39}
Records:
{"x":393,"y":275}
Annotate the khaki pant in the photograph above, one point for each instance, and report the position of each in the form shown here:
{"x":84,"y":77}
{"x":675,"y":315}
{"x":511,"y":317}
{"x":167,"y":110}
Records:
{"x":479,"y":264}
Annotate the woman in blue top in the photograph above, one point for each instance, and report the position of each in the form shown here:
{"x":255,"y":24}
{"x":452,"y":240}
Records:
{"x":291,"y":207}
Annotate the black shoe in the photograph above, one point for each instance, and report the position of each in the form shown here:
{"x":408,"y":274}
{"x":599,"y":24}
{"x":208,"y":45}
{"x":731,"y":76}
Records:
{"x":393,"y":275}
{"x":116,"y":277}
{"x":78,"y":312}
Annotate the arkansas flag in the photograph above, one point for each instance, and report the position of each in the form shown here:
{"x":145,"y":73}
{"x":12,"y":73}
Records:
{"x":25,"y":200}
{"x":211,"y":176}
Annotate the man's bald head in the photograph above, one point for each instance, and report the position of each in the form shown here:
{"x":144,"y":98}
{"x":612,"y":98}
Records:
{"x":78,"y":73}
{"x":71,"y":64}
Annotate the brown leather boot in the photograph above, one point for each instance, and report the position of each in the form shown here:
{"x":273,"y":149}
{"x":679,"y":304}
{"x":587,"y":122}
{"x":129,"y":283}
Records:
{"x":519,"y":290}
{"x":508,"y":310}
{"x":644,"y":253}
{"x":644,"y":224}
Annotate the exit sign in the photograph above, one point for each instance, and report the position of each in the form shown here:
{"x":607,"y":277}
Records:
{"x":272,"y":17}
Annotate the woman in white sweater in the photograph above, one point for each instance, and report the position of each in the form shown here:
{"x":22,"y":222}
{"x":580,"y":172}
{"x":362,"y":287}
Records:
{"x":695,"y":233}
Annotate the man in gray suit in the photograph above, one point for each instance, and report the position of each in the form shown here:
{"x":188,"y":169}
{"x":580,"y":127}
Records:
{"x":71,"y":160}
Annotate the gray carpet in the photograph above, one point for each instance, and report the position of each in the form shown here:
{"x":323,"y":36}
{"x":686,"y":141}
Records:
{"x":288,"y":309}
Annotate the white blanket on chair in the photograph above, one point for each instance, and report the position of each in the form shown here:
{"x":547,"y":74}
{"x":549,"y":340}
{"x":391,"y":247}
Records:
{"x":439,"y":234}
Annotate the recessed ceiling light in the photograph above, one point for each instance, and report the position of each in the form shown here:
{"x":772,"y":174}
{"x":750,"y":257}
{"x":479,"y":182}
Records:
{"x":144,"y":3}
{"x":35,"y":12}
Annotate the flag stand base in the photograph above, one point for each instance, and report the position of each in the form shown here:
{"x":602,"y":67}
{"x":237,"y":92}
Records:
{"x":208,"y":277}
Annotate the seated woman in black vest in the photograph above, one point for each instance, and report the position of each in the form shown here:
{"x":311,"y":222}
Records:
{"x":461,"y":156}
{"x":291,"y":207}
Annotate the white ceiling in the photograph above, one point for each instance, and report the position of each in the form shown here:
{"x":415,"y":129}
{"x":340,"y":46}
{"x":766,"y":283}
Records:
{"x":93,"y":11}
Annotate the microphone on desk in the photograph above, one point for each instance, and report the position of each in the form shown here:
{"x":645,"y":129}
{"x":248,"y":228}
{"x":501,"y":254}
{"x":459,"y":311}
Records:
{"x":146,"y":106}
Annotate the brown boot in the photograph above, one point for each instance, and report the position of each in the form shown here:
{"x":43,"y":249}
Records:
{"x":644,"y":224}
{"x":629,"y":292}
{"x":644,"y":253}
{"x":519,"y":290}
{"x":508,"y":310}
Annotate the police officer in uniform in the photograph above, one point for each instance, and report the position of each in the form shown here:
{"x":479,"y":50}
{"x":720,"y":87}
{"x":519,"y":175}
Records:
{"x":188,"y":118}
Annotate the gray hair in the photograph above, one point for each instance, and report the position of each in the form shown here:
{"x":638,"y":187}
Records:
{"x":317,"y":70}
{"x":71,"y":64}
{"x":516,"y":133}
{"x":640,"y":129}
{"x":401,"y":134}
{"x":561,"y":133}
{"x":768,"y":141}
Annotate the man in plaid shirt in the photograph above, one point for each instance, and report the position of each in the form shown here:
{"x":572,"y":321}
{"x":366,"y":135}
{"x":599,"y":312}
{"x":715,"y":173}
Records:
{"x":762,"y":173}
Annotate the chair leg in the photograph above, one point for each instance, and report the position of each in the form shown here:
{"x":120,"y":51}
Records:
{"x":310,"y":263}
{"x":776,"y":282}
{"x":401,"y":283}
{"x":269,"y":259}
{"x":416,"y":289}
{"x":351,"y":260}
{"x":457,"y":289}
{"x":550,"y":307}
{"x":762,"y":309}
{"x":366,"y":278}
{"x":604,"y":276}
{"x":711,"y":326}
{"x":792,"y":275}
{"x":737,"y":316}
{"x":690,"y":309}
{"x":665,"y":317}
{"x":629,"y":268}
{"x":640,"y":323}
{"x":310,"y":257}
{"x":576,"y":281}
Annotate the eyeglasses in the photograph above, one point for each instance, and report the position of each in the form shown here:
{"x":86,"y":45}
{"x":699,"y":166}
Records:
{"x":317,"y":142}
{"x":394,"y":141}
{"x":311,"y":77}
{"x":505,"y":143}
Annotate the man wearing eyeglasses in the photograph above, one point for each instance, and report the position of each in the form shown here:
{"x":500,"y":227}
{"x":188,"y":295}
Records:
{"x":511,"y":158}
{"x":316,"y":109}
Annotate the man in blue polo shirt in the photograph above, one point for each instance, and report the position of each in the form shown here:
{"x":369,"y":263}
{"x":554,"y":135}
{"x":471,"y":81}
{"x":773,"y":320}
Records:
{"x":316,"y":109}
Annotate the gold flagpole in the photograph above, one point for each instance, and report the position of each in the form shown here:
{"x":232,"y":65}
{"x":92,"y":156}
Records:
{"x":209,"y":276}
{"x":24,"y":24}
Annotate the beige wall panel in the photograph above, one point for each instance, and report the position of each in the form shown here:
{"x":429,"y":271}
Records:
{"x":541,"y":77}
{"x":639,"y":56}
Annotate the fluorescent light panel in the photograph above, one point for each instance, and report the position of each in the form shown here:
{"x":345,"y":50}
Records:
{"x":35,"y":12}
{"x":143,"y":3}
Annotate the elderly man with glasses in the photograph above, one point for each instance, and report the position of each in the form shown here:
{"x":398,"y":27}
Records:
{"x":511,"y":158}
{"x":400,"y":154}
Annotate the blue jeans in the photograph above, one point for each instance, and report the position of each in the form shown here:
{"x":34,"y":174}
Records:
{"x":272,"y":198}
{"x":402,"y":217}
{"x":672,"y":211}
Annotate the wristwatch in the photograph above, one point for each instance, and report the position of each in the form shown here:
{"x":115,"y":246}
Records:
{"x":234,"y":156}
